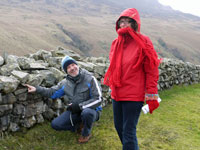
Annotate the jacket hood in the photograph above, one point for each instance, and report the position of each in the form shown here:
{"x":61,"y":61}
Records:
{"x":131,"y":13}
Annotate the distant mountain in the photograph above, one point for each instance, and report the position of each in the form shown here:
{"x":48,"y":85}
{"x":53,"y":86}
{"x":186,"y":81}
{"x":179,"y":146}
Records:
{"x":88,"y":26}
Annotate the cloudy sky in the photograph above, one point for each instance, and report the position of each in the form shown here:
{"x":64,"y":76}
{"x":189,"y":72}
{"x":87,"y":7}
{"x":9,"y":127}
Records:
{"x":187,"y":6}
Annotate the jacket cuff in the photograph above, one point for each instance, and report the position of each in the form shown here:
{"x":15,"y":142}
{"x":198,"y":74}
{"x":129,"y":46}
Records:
{"x":38,"y":89}
{"x":80,"y":106}
{"x":151,"y":97}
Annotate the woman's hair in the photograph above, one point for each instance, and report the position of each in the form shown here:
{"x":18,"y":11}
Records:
{"x":134,"y":24}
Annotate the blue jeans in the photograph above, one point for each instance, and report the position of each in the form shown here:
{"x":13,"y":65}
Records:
{"x":126,"y":115}
{"x":69,"y":121}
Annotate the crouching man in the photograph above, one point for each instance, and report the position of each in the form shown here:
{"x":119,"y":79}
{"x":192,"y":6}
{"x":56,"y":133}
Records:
{"x":85,"y":97}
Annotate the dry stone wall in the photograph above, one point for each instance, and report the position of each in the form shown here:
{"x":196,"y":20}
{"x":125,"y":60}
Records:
{"x":18,"y":108}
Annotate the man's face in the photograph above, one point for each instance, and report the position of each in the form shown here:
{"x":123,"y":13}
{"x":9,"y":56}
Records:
{"x":73,"y":70}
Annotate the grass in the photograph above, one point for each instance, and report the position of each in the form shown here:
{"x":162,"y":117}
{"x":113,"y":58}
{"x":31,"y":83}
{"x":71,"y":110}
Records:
{"x":174,"y":126}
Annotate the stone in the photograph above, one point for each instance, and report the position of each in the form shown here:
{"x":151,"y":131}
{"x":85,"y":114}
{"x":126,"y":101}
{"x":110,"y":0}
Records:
{"x":97,"y":76}
{"x":21,"y":76}
{"x":1,"y":86}
{"x":49,"y":78}
{"x":4,"y":122}
{"x":37,"y":66}
{"x":61,"y":52}
{"x":24,"y":62}
{"x":45,"y":54}
{"x":34,"y":97}
{"x":20,"y":91}
{"x":54,"y":62}
{"x":40,"y":107}
{"x":49,"y":114}
{"x":100,"y":68}
{"x":10,"y":59}
{"x":19,"y":110}
{"x":1,"y":101}
{"x":8,"y":99}
{"x":22,"y":97}
{"x":35,"y":79}
{"x":41,"y":55}
{"x":1,"y":61}
{"x":6,"y":70}
{"x":158,"y":86}
{"x":10,"y":84}
{"x":14,"y":127}
{"x":30,"y":110}
{"x":95,"y":60}
{"x":28,"y":122}
{"x":5,"y":109}
{"x":59,"y":75}
{"x":88,"y":66}
{"x":15,"y":118}
{"x":39,"y":118}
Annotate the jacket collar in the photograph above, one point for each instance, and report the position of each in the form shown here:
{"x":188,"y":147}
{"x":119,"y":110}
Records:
{"x":76,"y":79}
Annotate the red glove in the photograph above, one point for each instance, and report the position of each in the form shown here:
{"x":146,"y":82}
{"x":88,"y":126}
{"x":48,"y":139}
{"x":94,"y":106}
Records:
{"x":153,"y":104}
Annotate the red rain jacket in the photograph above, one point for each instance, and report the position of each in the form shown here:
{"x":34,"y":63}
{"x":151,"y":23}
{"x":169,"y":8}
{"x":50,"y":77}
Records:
{"x":135,"y":83}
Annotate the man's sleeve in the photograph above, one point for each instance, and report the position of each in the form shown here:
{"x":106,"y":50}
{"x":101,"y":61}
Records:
{"x":53,"y":92}
{"x":95,"y":96}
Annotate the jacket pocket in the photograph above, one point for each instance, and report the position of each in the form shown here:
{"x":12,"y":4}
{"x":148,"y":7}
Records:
{"x":83,"y":94}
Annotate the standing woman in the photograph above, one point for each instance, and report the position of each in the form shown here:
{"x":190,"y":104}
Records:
{"x":132,"y":76}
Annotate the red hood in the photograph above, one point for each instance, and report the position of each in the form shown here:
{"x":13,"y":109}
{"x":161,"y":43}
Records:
{"x":131,"y":13}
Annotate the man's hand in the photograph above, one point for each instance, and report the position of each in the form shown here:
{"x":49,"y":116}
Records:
{"x":31,"y":89}
{"x":74,"y":108}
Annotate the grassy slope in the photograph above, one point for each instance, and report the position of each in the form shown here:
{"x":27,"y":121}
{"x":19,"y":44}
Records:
{"x":177,"y":34}
{"x":174,"y":126}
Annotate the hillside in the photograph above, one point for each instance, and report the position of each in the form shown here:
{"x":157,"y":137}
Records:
{"x":88,"y":27}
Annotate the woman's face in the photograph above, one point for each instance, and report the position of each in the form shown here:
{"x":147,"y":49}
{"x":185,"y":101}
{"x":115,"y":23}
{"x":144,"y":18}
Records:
{"x":124,"y":22}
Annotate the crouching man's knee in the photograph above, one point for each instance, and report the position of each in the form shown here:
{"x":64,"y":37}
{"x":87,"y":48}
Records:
{"x":89,"y":114}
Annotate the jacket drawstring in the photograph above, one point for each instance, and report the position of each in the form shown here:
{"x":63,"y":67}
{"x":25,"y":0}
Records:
{"x":70,"y":116}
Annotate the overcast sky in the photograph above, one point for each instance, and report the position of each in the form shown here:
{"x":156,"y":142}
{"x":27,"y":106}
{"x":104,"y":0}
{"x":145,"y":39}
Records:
{"x":187,"y":6}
